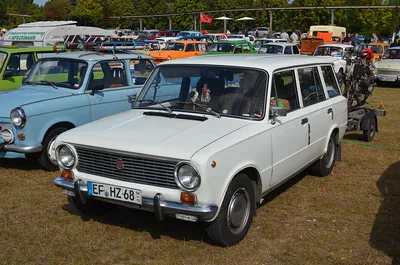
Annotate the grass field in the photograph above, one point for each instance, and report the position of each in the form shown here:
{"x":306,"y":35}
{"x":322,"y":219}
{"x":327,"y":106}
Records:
{"x":349,"y":217}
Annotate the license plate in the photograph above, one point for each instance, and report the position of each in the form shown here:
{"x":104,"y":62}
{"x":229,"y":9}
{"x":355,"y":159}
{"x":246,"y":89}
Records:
{"x":387,"y":78}
{"x":114,"y":192}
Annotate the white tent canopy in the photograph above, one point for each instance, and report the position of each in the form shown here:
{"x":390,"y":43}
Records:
{"x":224,"y":18}
{"x":245,"y":18}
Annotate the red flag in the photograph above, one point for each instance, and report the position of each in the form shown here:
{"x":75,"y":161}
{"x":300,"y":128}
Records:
{"x":205,"y":18}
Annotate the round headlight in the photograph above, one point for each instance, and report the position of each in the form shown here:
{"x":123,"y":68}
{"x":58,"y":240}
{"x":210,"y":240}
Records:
{"x":18,"y":117}
{"x":7,"y":136}
{"x":187,"y":177}
{"x":65,"y":157}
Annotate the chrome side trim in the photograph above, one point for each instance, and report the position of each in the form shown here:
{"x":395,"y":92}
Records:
{"x":204,"y":212}
{"x":23,"y":149}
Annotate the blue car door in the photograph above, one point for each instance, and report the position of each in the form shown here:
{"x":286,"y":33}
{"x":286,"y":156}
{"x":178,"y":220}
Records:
{"x":117,"y":80}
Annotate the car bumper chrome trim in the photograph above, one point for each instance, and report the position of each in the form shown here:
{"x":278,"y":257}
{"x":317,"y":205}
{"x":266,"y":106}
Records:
{"x":23,"y":148}
{"x":156,"y":204}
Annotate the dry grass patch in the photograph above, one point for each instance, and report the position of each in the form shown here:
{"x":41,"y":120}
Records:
{"x":350,"y":217}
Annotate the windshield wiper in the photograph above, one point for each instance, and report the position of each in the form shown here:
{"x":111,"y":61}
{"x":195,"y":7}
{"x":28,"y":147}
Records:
{"x":216,"y":114}
{"x":30,"y":83}
{"x":49,"y":83}
{"x":156,"y":102}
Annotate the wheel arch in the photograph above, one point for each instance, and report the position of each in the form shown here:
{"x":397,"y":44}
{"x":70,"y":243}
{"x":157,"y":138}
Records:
{"x":61,"y":124}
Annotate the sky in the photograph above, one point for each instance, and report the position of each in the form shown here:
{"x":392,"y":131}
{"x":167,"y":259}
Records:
{"x":40,"y":2}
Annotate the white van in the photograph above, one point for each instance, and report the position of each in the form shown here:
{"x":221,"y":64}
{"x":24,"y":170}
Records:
{"x":46,"y":33}
{"x":336,"y":31}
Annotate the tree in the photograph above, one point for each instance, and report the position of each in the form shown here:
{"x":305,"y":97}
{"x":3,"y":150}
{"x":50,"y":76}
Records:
{"x":88,"y":12}
{"x":56,"y":10}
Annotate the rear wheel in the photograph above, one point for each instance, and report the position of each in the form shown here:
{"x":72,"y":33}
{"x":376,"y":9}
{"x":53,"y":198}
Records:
{"x":324,"y":166}
{"x":236,"y":213}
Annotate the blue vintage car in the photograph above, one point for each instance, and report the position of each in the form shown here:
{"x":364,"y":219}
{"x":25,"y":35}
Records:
{"x":62,"y":92}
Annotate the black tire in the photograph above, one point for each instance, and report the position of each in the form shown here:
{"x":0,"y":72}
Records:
{"x":43,"y":157}
{"x":324,"y":166}
{"x":228,"y":229}
{"x":369,"y":134}
{"x":91,"y":207}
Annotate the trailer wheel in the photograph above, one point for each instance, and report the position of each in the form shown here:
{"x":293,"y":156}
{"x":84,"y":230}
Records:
{"x":369,"y":133}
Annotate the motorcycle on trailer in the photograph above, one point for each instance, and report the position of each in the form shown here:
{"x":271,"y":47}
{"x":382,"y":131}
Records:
{"x":359,"y":85}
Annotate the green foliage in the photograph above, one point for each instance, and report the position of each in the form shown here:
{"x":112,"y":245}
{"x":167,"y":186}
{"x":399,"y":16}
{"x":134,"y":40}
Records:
{"x":88,"y":12}
{"x":56,"y":10}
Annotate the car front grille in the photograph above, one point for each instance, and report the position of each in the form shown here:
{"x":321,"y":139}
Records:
{"x":388,"y":72}
{"x":127,"y":167}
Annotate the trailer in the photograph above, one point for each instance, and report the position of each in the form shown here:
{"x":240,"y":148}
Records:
{"x":365,"y":119}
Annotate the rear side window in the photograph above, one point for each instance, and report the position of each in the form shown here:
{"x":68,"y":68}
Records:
{"x":332,"y":86}
{"x":311,"y":87}
{"x":295,"y":50}
{"x":110,"y":74}
{"x":288,"y":50}
{"x":284,"y":91}
{"x":140,"y":71}
{"x":20,"y":63}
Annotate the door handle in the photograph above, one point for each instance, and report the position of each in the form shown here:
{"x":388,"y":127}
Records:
{"x":330,"y":110}
{"x":304,"y":121}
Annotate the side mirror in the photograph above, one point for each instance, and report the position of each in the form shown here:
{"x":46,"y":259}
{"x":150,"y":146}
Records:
{"x":96,"y":87}
{"x":23,"y":79}
{"x":7,"y":74}
{"x":278,"y":112}
{"x":132,"y":98}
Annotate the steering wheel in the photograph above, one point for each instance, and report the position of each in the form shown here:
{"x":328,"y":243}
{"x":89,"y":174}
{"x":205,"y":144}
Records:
{"x":309,"y":96}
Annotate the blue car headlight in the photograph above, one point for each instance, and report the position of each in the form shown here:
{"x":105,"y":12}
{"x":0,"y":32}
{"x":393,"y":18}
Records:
{"x":18,"y":117}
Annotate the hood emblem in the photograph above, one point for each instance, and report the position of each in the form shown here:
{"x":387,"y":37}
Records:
{"x":119,"y":164}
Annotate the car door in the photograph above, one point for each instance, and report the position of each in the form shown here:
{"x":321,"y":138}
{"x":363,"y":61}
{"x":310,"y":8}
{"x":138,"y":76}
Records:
{"x":289,"y":133}
{"x":18,"y":66}
{"x":338,"y":102}
{"x":319,"y":108}
{"x":119,"y":81}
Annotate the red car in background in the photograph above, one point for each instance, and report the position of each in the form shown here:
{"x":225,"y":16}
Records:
{"x":165,"y":34}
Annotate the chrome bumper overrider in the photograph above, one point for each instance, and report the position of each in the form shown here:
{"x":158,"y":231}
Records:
{"x":156,"y":204}
{"x":23,"y":149}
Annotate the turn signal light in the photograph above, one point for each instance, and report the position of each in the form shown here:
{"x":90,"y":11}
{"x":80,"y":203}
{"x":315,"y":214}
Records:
{"x":69,"y":175}
{"x":21,"y":136}
{"x":188,"y":197}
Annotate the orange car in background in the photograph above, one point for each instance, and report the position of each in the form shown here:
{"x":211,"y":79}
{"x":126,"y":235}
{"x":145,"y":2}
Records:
{"x":377,"y":48}
{"x":179,"y":49}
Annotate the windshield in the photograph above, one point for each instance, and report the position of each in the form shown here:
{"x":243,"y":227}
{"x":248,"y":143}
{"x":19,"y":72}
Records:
{"x":392,"y":54}
{"x":221,"y":47}
{"x":238,"y":92}
{"x":176,"y":46}
{"x":184,"y":34}
{"x":3,"y":57}
{"x":272,"y":49}
{"x":58,"y":72}
{"x":374,"y":48}
{"x":328,"y":51}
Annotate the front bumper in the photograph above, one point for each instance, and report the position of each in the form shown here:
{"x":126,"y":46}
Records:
{"x":156,"y":204}
{"x":22,"y":148}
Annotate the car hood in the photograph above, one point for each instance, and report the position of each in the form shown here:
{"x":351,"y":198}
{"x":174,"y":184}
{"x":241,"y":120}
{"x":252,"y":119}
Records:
{"x":25,"y":95}
{"x":329,"y":58}
{"x":389,"y":64}
{"x":135,"y":132}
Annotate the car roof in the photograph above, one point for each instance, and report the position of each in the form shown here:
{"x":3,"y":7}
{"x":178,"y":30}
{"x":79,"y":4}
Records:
{"x":268,"y":63}
{"x":14,"y":49}
{"x":374,"y":44}
{"x":97,"y":56}
{"x":235,"y":41}
{"x":395,"y":48}
{"x":337,"y":45}
{"x":279,"y":44}
{"x":188,"y":41}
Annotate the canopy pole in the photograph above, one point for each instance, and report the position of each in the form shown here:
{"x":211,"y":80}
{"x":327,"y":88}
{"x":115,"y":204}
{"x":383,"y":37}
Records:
{"x":195,"y":22}
{"x":141,"y":24}
{"x":333,"y":16}
{"x":224,"y":24}
{"x":170,"y":23}
{"x":270,"y":22}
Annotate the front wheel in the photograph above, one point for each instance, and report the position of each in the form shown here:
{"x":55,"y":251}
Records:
{"x":236,"y":213}
{"x":44,"y":158}
{"x":324,"y":166}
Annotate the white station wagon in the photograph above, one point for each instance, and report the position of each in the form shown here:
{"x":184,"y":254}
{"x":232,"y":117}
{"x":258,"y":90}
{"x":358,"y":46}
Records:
{"x":206,"y":139}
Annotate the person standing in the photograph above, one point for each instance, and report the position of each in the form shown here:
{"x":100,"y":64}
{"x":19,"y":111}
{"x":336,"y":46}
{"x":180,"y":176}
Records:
{"x":395,"y":43}
{"x":256,"y":33}
{"x":246,"y":36}
{"x":374,"y":37}
{"x":284,"y":35}
{"x":347,"y":39}
{"x":294,"y":37}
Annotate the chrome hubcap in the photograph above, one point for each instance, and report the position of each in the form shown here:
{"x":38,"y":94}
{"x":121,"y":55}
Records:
{"x":51,"y":151}
{"x":330,"y":154}
{"x":372,"y":129}
{"x":238,"y":210}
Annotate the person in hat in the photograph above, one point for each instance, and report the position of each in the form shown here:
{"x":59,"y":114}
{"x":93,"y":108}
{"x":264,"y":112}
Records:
{"x":2,"y":35}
